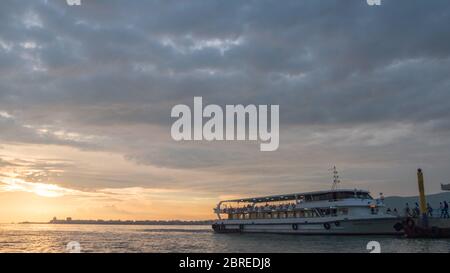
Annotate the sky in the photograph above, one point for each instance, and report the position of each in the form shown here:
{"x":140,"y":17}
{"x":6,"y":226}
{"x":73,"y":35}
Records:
{"x":86,"y":94}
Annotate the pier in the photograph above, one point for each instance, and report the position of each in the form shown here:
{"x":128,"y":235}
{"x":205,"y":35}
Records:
{"x":424,"y":226}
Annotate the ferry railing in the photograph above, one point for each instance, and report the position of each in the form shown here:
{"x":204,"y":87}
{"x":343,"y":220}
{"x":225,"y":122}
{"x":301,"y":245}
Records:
{"x":436,"y":213}
{"x":271,"y":208}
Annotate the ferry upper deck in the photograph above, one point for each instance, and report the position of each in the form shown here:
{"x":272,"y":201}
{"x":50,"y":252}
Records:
{"x":306,"y":196}
{"x":308,"y":204}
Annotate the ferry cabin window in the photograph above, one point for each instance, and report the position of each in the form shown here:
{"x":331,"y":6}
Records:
{"x":310,"y":213}
{"x":322,"y":197}
{"x":363,"y":195}
{"x":300,"y":214}
{"x":345,"y":195}
{"x":328,"y":212}
{"x":336,"y":196}
{"x":343,"y":211}
{"x":352,"y":194}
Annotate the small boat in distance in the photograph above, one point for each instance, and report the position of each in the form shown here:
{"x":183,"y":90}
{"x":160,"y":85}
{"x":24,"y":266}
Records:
{"x":445,"y":187}
{"x":334,"y":212}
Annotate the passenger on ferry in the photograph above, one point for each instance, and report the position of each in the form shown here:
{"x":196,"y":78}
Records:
{"x":446,"y":215}
{"x":429,"y":210}
{"x":416,"y":211}
{"x":407,"y":210}
{"x":381,"y":199}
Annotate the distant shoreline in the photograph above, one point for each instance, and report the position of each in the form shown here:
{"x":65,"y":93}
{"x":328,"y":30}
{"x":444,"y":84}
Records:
{"x":120,"y":222}
{"x":390,"y":202}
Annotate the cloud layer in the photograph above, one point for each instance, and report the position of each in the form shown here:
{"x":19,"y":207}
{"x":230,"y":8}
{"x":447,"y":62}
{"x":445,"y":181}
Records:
{"x":366,"y":88}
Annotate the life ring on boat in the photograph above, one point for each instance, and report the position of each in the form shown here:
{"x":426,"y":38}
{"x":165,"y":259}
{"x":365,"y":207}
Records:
{"x":410,"y":223}
{"x":327,"y":226}
{"x":398,"y":226}
{"x":294,"y":226}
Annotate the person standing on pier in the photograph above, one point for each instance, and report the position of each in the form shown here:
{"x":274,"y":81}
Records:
{"x":407,"y":210}
{"x":416,"y":211}
{"x":446,"y":210}
{"x":429,"y":210}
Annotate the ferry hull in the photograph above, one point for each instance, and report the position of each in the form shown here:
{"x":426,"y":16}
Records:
{"x":382,"y":226}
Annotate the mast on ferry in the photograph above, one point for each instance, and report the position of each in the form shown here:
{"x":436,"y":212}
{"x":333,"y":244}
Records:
{"x":336,"y":179}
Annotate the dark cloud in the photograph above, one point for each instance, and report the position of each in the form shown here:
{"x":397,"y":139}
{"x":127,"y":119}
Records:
{"x":305,"y":55}
{"x":114,"y":69}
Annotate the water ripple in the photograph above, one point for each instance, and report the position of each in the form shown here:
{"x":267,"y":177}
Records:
{"x":114,"y":238}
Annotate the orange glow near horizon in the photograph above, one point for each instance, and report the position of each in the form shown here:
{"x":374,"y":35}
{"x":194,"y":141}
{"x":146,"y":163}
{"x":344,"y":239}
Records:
{"x":28,"y":193}
{"x":44,"y":204}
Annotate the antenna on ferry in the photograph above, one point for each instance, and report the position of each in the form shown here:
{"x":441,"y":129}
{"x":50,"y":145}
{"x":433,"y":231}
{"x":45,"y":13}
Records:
{"x":336,"y":179}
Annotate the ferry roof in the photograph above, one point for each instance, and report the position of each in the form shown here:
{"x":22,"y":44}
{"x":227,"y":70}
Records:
{"x":287,"y":197}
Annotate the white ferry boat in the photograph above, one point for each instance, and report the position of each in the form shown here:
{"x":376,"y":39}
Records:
{"x":334,"y":212}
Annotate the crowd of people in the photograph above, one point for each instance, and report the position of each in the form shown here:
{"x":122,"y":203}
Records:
{"x":443,"y":210}
{"x":415,"y":212}
{"x":255,"y":208}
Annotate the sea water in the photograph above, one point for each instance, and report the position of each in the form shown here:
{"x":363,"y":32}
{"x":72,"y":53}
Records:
{"x":134,"y":238}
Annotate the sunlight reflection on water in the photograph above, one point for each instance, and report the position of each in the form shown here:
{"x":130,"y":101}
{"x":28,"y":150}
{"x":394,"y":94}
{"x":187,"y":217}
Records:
{"x":115,"y":238}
